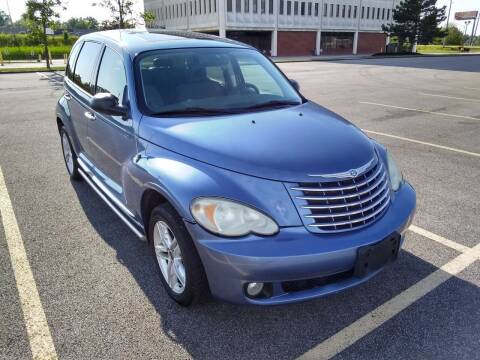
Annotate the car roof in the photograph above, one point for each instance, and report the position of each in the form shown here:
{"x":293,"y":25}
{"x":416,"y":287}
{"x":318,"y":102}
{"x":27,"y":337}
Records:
{"x":134,"y":41}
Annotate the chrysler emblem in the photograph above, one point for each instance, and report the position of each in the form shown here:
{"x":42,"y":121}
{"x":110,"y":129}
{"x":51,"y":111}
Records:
{"x":353,"y":173}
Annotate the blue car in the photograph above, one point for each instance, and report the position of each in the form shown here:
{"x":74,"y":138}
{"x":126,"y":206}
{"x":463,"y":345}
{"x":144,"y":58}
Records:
{"x":243,"y":188}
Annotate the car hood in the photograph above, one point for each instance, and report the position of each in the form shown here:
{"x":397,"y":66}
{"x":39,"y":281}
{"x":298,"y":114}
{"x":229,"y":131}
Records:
{"x":283,"y":144}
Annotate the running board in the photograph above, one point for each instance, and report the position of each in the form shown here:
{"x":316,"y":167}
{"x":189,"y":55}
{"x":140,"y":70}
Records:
{"x":110,"y":204}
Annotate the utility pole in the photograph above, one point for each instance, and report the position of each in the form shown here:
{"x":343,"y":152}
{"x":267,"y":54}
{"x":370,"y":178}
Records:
{"x":448,"y":18}
{"x":9,"y":13}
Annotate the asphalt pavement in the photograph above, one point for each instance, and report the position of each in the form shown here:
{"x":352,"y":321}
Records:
{"x":99,"y":289}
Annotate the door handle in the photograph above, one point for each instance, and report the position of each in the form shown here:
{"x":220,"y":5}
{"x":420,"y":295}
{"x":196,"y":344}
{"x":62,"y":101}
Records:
{"x":67,"y":96}
{"x":89,"y":115}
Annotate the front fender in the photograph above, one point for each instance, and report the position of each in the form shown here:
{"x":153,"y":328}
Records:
{"x":181,"y":179}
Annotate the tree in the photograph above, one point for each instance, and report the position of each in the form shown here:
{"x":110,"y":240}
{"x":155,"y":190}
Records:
{"x":148,"y":17}
{"x":4,"y":18}
{"x":40,"y":15}
{"x":87,"y":23}
{"x":121,"y":12}
{"x":416,"y":21}
{"x":454,"y":36}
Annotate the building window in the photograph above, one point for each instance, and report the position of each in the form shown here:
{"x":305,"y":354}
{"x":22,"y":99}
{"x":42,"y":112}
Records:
{"x":246,"y":6}
{"x":343,"y":10}
{"x":338,"y":10}
{"x":238,"y":6}
{"x":214,"y":5}
{"x":316,"y":9}
{"x":280,"y":11}
{"x":325,"y":10}
{"x":378,"y":13}
{"x":355,"y":12}
{"x":262,"y":4}
{"x":295,"y":8}
{"x":349,"y":11}
{"x":302,"y":8}
{"x":331,"y":10}
{"x":388,"y":14}
{"x":383,"y":14}
{"x":270,"y":6}
{"x":368,"y":12}
{"x":229,"y":6}
{"x":363,"y":12}
{"x":255,"y":6}
{"x":309,"y":9}
{"x":200,"y":7}
{"x":289,"y":7}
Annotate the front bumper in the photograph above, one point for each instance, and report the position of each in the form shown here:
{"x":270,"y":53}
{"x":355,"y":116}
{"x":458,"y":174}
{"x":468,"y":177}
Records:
{"x":295,"y":254}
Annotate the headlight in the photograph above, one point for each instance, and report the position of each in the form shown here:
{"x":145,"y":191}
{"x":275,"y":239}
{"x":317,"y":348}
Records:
{"x":394,"y":173}
{"x":229,"y":218}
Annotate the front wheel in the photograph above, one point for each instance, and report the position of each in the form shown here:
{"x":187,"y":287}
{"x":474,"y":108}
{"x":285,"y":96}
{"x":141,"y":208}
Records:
{"x":180,"y":267}
{"x":69,"y":156}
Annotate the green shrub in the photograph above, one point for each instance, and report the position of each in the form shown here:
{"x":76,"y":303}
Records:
{"x":29,"y":40}
{"x":31,"y":52}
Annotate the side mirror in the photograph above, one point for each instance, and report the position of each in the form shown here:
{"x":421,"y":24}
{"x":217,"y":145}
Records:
{"x":295,"y":84}
{"x":107,"y":103}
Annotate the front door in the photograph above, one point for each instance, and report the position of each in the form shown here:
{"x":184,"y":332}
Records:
{"x":111,"y":139}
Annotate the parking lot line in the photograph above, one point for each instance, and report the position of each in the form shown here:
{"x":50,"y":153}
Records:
{"x":440,"y":239}
{"x":450,"y":97}
{"x":377,"y":317}
{"x":420,"y":110}
{"x":423,"y":143}
{"x":49,"y":77}
{"x":39,"y":336}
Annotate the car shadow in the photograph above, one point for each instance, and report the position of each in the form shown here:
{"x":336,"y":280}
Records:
{"x":217,"y":330}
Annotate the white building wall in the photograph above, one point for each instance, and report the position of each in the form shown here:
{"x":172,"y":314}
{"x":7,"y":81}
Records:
{"x":204,"y":14}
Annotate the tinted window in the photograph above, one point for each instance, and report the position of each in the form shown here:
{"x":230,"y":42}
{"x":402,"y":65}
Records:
{"x":84,"y":67}
{"x":212,"y":80}
{"x":111,"y":75}
{"x":71,"y":61}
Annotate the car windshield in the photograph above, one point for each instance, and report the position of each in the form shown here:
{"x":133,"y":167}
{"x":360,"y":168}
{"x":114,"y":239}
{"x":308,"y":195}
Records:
{"x":211,"y":81}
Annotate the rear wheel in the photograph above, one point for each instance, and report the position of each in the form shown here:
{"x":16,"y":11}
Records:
{"x":69,"y":156}
{"x":179,"y":265}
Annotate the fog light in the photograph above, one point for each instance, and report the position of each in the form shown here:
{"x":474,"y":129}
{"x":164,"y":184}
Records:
{"x":254,"y":289}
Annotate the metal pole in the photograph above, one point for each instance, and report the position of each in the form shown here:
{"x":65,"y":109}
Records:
{"x":9,"y":13}
{"x":473,"y":31}
{"x":448,"y":18}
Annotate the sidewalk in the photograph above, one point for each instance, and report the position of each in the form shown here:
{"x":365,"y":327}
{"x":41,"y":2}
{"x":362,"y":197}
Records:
{"x":21,"y":64}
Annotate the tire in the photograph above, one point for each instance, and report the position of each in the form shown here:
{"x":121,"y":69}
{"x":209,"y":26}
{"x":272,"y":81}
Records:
{"x":195,"y":285}
{"x":69,"y":156}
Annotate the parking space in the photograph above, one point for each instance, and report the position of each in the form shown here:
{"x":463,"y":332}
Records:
{"x":98,"y":286}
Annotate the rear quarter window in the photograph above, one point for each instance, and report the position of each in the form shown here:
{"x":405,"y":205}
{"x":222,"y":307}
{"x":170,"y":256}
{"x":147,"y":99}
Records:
{"x":71,"y":60}
{"x":83,"y":74}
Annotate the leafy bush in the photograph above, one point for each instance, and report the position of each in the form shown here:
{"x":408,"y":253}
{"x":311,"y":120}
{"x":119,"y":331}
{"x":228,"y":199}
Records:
{"x":32,"y":52}
{"x":29,"y":40}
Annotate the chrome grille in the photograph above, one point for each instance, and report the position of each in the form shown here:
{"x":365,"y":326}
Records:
{"x":343,"y":204}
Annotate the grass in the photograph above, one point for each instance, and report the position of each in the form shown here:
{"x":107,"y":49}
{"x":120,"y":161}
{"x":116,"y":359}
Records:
{"x":447,"y":49}
{"x":32,"y":52}
{"x":30,"y":69}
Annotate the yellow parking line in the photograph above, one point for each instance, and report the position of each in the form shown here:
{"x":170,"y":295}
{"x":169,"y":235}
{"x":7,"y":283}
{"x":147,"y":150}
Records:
{"x":39,"y":336}
{"x":374,"y":319}
{"x":423,"y":143}
{"x":420,"y":110}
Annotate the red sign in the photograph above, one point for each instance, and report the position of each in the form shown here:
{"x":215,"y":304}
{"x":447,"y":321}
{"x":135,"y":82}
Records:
{"x":466,"y":15}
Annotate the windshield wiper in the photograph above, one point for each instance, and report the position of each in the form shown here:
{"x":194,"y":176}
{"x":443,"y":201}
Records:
{"x":192,"y":111}
{"x":273,"y":104}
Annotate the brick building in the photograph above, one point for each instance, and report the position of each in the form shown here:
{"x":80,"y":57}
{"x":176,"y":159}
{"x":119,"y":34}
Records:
{"x":283,"y":27}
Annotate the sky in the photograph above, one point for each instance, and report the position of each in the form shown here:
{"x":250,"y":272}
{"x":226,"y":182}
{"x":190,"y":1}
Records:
{"x":83,"y":8}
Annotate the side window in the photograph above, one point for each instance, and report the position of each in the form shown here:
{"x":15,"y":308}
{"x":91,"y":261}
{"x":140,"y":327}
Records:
{"x":85,"y":63}
{"x":254,"y":74}
{"x":71,"y":60}
{"x":111,"y":75}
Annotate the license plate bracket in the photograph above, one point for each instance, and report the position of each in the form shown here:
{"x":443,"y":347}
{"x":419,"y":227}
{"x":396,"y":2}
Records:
{"x":372,"y":257}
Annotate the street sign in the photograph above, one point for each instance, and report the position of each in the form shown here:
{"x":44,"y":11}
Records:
{"x":466,"y":15}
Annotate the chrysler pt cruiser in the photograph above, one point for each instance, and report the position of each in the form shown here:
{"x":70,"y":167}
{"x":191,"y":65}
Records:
{"x":242,"y":187}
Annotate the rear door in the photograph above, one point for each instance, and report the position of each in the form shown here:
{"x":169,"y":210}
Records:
{"x":79,"y":88}
{"x":111,"y":139}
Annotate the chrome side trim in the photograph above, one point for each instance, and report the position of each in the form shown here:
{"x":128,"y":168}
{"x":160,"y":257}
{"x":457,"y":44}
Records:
{"x":102,"y":187}
{"x":111,"y":206}
{"x":348,"y":222}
